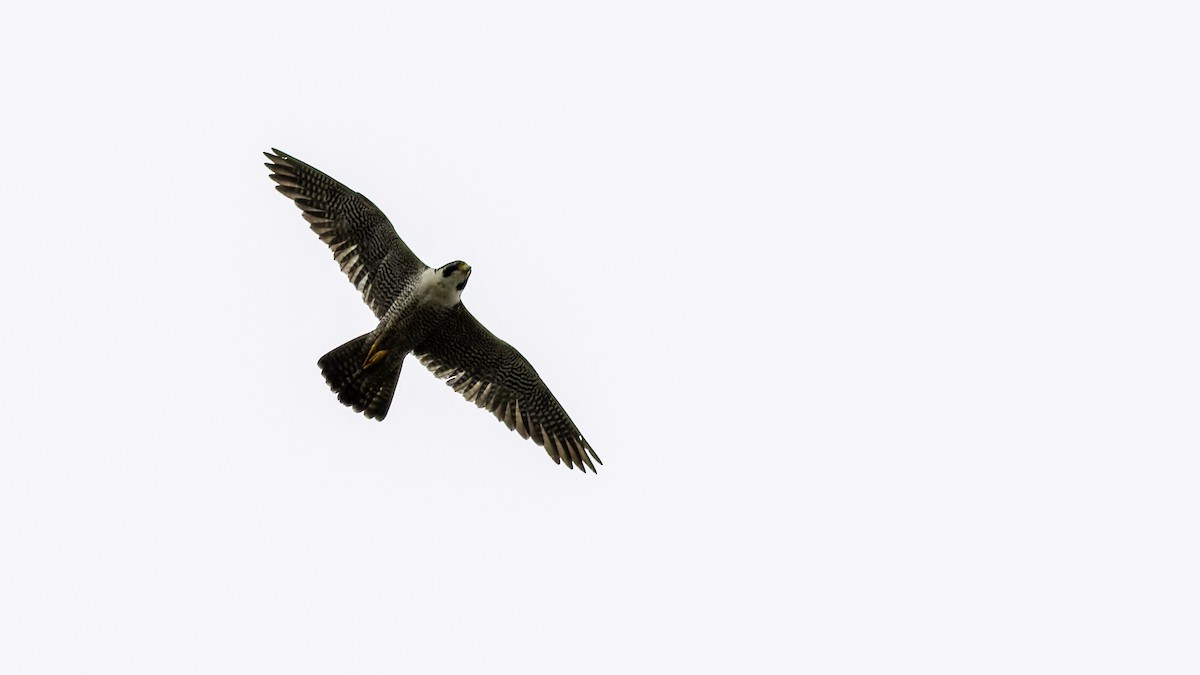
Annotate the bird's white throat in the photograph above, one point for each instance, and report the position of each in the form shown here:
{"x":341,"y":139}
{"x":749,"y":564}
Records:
{"x":433,"y":288}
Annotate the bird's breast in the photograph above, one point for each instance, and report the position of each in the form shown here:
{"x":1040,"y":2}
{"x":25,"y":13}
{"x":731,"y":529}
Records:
{"x":410,"y":320}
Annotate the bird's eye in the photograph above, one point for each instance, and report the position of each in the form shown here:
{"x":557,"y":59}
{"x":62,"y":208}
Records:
{"x":448,"y":271}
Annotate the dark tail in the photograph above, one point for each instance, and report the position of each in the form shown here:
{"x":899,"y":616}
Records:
{"x":366,"y":389}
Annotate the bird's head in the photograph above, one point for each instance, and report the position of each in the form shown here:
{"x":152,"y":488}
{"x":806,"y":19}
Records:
{"x":455,"y":275}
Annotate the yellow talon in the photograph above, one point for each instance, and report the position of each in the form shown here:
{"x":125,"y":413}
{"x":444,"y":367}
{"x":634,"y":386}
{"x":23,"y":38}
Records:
{"x":376,"y":358}
{"x":375,"y":355}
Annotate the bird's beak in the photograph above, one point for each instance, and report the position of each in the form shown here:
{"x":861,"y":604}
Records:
{"x":464,"y":267}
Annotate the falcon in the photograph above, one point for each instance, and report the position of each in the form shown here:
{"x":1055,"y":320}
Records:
{"x":420,"y":312}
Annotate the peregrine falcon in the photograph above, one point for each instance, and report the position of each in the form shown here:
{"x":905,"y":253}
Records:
{"x":420,"y":312}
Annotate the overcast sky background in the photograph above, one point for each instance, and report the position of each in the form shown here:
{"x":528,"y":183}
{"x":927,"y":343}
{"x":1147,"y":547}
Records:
{"x":882,"y":317}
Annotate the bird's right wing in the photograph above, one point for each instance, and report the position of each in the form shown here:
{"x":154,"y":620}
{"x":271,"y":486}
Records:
{"x":363,"y":241}
{"x":490,"y":373}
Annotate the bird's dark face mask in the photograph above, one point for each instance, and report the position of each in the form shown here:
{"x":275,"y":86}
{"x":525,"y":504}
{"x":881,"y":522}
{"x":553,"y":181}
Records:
{"x":457,"y":272}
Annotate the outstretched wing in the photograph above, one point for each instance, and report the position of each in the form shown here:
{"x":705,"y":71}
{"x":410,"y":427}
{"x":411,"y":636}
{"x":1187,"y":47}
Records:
{"x":489,"y":372}
{"x":363,"y":241}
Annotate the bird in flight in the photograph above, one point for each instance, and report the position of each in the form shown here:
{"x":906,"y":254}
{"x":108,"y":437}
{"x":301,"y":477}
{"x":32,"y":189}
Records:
{"x":420,"y":312}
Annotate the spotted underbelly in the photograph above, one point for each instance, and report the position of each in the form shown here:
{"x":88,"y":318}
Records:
{"x":406,"y":326}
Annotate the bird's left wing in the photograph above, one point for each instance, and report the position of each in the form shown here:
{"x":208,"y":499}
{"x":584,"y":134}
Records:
{"x":363,"y":241}
{"x":490,"y":373}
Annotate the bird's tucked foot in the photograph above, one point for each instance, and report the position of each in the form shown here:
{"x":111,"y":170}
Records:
{"x":375,"y":355}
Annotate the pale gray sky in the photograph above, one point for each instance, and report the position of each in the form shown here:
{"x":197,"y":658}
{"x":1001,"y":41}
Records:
{"x":882,"y":318}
